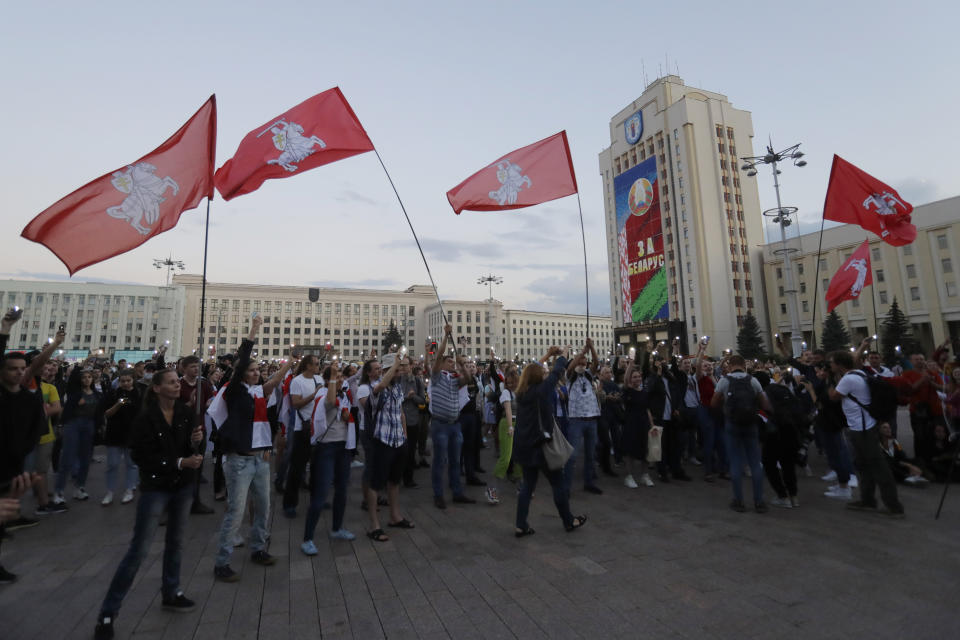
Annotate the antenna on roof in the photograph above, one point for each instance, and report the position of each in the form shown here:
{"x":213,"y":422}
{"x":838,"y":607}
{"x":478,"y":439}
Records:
{"x":644,"y":68}
{"x":677,"y":65}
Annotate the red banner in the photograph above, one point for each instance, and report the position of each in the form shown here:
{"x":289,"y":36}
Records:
{"x":851,"y":278}
{"x":856,"y":197}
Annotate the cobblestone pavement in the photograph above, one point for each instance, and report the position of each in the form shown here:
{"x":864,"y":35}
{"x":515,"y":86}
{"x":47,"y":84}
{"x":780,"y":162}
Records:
{"x":668,"y":562}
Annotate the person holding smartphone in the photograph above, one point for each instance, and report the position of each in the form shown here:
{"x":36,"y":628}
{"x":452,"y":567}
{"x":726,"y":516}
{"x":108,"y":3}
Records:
{"x":121,"y":409}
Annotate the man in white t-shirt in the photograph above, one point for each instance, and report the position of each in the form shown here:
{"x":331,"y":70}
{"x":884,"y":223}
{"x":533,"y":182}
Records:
{"x":303,"y":389}
{"x":854,"y":393}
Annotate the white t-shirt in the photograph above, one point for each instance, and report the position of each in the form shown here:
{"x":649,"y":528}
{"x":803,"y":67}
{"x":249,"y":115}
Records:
{"x":333,"y":431}
{"x":303,"y":386}
{"x":363,"y":391}
{"x":507,"y":396}
{"x":855,"y":384}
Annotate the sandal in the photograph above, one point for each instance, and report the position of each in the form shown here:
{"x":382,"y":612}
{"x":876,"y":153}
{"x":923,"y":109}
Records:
{"x":382,"y":502}
{"x":378,"y":535}
{"x":578,"y":522}
{"x":402,"y":524}
{"x":520,"y":533}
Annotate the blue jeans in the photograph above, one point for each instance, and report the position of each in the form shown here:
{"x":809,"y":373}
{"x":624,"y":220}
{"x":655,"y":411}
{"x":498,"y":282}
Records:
{"x":149,"y":509}
{"x":76,"y":452}
{"x":244,"y":474}
{"x":447,"y":442}
{"x":838,"y":455}
{"x":330,"y":464}
{"x":711,"y":430}
{"x":561,"y":496}
{"x":116,"y":455}
{"x":582,"y":431}
{"x":743,"y":447}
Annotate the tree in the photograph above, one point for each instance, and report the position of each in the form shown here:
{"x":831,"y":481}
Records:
{"x":750,"y":339}
{"x":834,"y":335}
{"x":391,"y":337}
{"x":895,"y":331}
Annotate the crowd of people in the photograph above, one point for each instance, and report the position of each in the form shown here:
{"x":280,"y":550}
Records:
{"x":309,"y":421}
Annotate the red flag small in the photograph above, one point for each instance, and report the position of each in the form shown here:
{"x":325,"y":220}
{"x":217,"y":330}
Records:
{"x":121,"y":210}
{"x":318,"y":131}
{"x":540,"y":172}
{"x":855,"y":196}
{"x":852,"y":277}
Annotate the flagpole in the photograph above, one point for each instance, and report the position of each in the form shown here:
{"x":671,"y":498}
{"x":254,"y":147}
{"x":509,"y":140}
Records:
{"x":586,"y":278}
{"x":203,"y":305}
{"x":873,"y":296}
{"x":419,"y":247}
{"x":816,"y":285}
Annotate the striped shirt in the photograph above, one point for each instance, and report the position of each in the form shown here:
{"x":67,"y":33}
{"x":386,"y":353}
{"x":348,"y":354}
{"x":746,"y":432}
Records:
{"x":389,"y":418}
{"x":445,"y":396}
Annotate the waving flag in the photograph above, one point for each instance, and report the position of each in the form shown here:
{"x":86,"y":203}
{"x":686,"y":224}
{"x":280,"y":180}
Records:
{"x":851,"y":278}
{"x":121,"y":210}
{"x":318,"y":131}
{"x":855,"y":196}
{"x":540,"y":172}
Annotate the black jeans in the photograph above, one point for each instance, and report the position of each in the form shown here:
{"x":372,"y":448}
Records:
{"x":604,"y":443}
{"x":413,"y":435}
{"x":779,"y":447}
{"x":670,"y":443}
{"x":561,"y":497}
{"x":299,"y":456}
{"x":874,"y":470}
{"x":470,"y":453}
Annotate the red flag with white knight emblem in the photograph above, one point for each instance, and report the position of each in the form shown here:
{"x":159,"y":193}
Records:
{"x":851,"y":278}
{"x":855,"y":196}
{"x":537,"y":173}
{"x":318,"y":131}
{"x":120,"y":211}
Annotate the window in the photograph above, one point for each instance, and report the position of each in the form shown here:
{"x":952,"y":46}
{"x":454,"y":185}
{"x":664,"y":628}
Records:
{"x":875,"y":252}
{"x":907,"y":250}
{"x":780,"y":291}
{"x":779,"y":273}
{"x":783,"y":309}
{"x":803,"y":287}
{"x":947,"y":265}
{"x":883,"y":297}
{"x":951,"y":290}
{"x":806,"y":306}
{"x":942,"y":241}
{"x":880,"y":277}
{"x":800,"y":268}
{"x":915,"y":293}
{"x":911,"y":271}
{"x":855,"y":302}
{"x":823,"y":264}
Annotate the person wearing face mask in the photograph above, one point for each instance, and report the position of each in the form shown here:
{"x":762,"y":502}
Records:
{"x":583,"y":409}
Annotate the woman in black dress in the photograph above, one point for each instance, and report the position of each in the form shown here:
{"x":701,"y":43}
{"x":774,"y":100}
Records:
{"x":636,"y":427}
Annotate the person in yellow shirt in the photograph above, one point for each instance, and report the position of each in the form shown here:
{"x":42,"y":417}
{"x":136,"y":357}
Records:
{"x":42,"y":455}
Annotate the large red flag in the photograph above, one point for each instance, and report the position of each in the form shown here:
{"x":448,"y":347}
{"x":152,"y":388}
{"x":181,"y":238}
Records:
{"x":852,"y":277}
{"x":855,"y":196}
{"x":318,"y":131}
{"x":537,"y":173}
{"x":120,"y":211}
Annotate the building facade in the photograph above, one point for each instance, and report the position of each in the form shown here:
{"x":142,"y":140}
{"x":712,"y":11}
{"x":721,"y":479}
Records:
{"x":921,"y":276}
{"x":111,"y":317}
{"x":515,"y":333}
{"x":352,"y":321}
{"x":682,"y":145}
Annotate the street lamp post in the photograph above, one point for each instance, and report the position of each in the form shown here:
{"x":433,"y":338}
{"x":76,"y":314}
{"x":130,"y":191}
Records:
{"x":491,"y":280}
{"x":170,"y":264}
{"x":781,"y":216}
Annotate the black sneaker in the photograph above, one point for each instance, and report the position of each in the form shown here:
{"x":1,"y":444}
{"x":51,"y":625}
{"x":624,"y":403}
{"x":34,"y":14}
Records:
{"x":439,"y":502}
{"x":475,"y":482}
{"x":760,"y":507}
{"x":737,"y":505}
{"x":179,"y":603}
{"x":22,"y":523}
{"x":462,"y":499}
{"x":104,"y":630}
{"x":592,"y":488}
{"x":225,"y":574}
{"x":49,"y":508}
{"x":199,"y":508}
{"x":263,"y":558}
{"x":6,"y":577}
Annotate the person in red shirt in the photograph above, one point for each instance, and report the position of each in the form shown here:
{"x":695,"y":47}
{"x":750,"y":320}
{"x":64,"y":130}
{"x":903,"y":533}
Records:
{"x":920,"y":385}
{"x":714,"y":452}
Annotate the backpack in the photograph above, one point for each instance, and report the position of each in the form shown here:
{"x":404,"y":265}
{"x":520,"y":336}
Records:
{"x":788,"y":409}
{"x":883,"y":397}
{"x":741,"y":403}
{"x":369,"y":413}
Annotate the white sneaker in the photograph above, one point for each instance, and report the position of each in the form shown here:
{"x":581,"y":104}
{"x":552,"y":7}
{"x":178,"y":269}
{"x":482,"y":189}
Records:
{"x":58,"y":498}
{"x":694,"y":461}
{"x":830,"y":477}
{"x":356,"y":464}
{"x":853,"y":481}
{"x":492,"y":497}
{"x":794,"y":501}
{"x":916,"y":480}
{"x":630,"y":483}
{"x":127,"y":497}
{"x":840,"y":493}
{"x":238,"y":541}
{"x":107,"y":499}
{"x":645,"y":479}
{"x":81,"y":494}
{"x":781,"y":502}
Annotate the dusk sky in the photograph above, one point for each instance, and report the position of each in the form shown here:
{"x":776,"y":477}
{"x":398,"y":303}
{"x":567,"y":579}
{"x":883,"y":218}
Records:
{"x":444,"y":89}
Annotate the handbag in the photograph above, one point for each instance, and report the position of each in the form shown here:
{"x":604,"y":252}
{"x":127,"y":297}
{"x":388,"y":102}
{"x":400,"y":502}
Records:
{"x":557,"y":450}
{"x":654,"y":449}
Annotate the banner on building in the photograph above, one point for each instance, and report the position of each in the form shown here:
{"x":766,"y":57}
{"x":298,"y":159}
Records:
{"x":643,"y":276}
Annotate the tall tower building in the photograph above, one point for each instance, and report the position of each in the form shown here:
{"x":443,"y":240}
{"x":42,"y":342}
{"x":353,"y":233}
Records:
{"x":684,"y":226}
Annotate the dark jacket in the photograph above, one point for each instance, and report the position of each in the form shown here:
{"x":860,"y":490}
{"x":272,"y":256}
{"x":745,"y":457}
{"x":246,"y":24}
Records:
{"x":22,"y":422}
{"x":535,"y":408}
{"x":119,"y":427}
{"x":235,"y":435}
{"x":74,"y":393}
{"x":411,"y":405}
{"x":156,"y":445}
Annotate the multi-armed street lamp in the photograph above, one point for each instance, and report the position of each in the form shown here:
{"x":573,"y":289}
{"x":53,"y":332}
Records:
{"x":491,"y":280}
{"x":781,"y":216}
{"x":170,"y":264}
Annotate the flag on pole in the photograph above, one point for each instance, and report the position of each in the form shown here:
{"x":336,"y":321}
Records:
{"x":121,"y":210}
{"x":318,"y":131}
{"x":852,"y":277}
{"x":855,"y":196}
{"x":537,"y":173}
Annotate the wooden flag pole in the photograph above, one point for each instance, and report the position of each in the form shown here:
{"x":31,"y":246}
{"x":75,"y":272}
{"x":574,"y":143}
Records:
{"x":586,"y":277}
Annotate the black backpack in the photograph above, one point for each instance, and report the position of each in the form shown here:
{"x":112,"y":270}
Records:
{"x":741,"y":403}
{"x":883,"y":397}
{"x":788,"y":410}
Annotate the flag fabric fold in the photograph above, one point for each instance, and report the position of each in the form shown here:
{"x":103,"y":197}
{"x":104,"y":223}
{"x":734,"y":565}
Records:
{"x":851,"y":278}
{"x":123,"y":209}
{"x":856,"y":197}
{"x":318,"y":131}
{"x":534,"y":174}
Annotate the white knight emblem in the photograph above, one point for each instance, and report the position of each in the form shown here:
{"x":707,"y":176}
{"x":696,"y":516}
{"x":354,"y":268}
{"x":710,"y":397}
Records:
{"x":860,"y":266}
{"x":511,"y":182}
{"x":288,"y":138}
{"x":144,"y":194}
{"x":886,"y":203}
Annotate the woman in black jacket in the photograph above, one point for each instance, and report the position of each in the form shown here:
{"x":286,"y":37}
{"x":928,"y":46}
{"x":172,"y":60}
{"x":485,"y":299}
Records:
{"x":120,"y":409}
{"x":163,"y":447}
{"x":79,"y":417}
{"x":535,"y":414}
